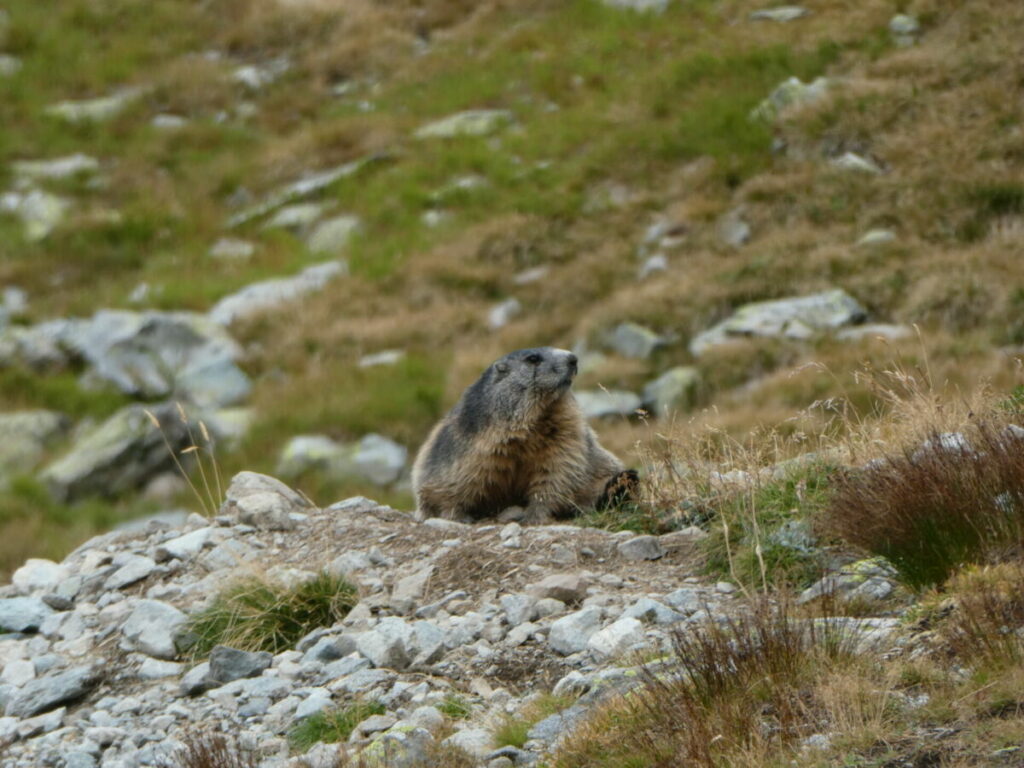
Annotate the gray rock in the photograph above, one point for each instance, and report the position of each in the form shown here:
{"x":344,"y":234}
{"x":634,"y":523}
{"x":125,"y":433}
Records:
{"x":616,"y":639}
{"x":40,"y":212}
{"x":39,"y":575}
{"x":18,"y":672}
{"x":25,"y":437}
{"x":502,"y":314}
{"x":398,"y":749}
{"x":876,"y":331}
{"x":186,"y":546}
{"x":782,"y":13}
{"x":798,"y":318}
{"x":119,"y":455}
{"x":318,"y":700}
{"x":343,"y":668}
{"x":307,"y":185}
{"x":686,"y":601}
{"x":57,"y":168}
{"x":789,"y":94}
{"x":297,"y":217}
{"x":154,"y":669}
{"x":652,"y":612}
{"x":227,"y":664}
{"x":851,"y":161}
{"x":733,"y":230}
{"x":152,"y":627}
{"x":549,"y":606}
{"x":641,"y":548}
{"x":23,"y":614}
{"x":9,"y":65}
{"x":640,"y":6}
{"x":633,"y":340}
{"x":134,"y":568}
{"x":52,"y":690}
{"x":570,"y":634}
{"x":257,"y":76}
{"x":232,"y":249}
{"x":558,"y":725}
{"x":904,"y":29}
{"x":475,"y":742}
{"x":876,"y":238}
{"x":519,"y":608}
{"x":263,"y":501}
{"x":79,"y":759}
{"x":601,"y":403}
{"x":333,"y":235}
{"x":673,"y":391}
{"x":388,"y":644}
{"x":568,"y":588}
{"x":409,"y":590}
{"x":94,"y":110}
{"x":374,"y":458}
{"x":328,"y":649}
{"x":196,"y":680}
{"x":473,"y":122}
{"x":385,"y":357}
{"x":267,"y":295}
{"x":376,"y":724}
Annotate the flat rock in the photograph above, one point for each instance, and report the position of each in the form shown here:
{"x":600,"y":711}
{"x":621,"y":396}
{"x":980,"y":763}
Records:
{"x":51,"y":690}
{"x":56,"y":168}
{"x":475,"y":742}
{"x":135,"y":568}
{"x":38,"y":575}
{"x":652,"y":612}
{"x":228,"y":664}
{"x":782,"y":13}
{"x":633,"y":340}
{"x":473,"y":122}
{"x":267,"y":295}
{"x":641,"y":548}
{"x":569,"y":588}
{"x":333,"y":235}
{"x":23,"y":614}
{"x":616,"y":639}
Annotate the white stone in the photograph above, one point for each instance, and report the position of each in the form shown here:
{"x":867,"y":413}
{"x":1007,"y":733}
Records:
{"x":39,"y":575}
{"x":616,"y":639}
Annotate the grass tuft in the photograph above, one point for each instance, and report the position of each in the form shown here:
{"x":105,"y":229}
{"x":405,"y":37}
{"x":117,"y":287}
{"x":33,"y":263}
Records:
{"x":985,"y":625}
{"x":954,"y":500}
{"x":455,"y":706}
{"x":205,"y":749}
{"x":331,"y":725}
{"x":259,"y":615}
{"x":514,"y":729}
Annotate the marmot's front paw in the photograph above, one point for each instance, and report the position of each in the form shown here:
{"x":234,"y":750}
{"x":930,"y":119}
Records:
{"x":537,"y":514}
{"x":623,"y":487}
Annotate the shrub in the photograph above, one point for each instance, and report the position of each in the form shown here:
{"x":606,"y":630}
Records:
{"x":331,"y":725}
{"x":986,"y":623}
{"x":953,"y":501}
{"x":205,"y":749}
{"x":259,"y":615}
{"x":733,"y":689}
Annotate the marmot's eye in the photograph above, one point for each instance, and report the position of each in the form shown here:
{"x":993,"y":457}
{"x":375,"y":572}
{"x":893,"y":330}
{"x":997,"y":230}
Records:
{"x":534,"y":359}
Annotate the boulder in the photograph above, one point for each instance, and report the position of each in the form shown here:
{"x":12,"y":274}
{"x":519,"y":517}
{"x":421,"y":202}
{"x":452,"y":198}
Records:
{"x":23,"y":614}
{"x":262,"y":501}
{"x":38,"y":575}
{"x":568,"y":588}
{"x":52,"y":690}
{"x":641,"y":548}
{"x":571,"y":633}
{"x":152,"y":627}
{"x":674,"y":391}
{"x":120,"y":454}
{"x":25,"y":437}
{"x":796,"y":318}
{"x":600,"y":403}
{"x":633,"y":340}
{"x":616,"y":639}
{"x":228,"y":664}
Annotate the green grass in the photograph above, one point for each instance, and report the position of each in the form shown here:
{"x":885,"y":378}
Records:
{"x":257,"y":615}
{"x":331,"y":725}
{"x":455,"y":706}
{"x":21,"y":388}
{"x":514,"y":729}
{"x":773,"y":519}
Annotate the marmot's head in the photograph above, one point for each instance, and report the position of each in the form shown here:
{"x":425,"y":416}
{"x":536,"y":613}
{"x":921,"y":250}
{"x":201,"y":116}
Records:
{"x":519,"y":386}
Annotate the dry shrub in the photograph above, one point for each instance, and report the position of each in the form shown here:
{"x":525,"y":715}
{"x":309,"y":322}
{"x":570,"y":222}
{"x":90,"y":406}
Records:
{"x":735,"y":691}
{"x":987,"y":624}
{"x":206,"y":749}
{"x":956,"y":498}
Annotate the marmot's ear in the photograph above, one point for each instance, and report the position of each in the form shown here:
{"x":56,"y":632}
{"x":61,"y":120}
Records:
{"x":501,"y":368}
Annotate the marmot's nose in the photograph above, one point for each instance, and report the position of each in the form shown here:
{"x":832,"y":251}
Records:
{"x":571,"y":361}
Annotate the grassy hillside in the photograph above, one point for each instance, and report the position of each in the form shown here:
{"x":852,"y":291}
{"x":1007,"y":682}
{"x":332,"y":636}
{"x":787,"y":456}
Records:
{"x":618,"y":121}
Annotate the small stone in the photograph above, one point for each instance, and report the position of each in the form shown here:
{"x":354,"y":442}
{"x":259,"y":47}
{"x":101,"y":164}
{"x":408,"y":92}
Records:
{"x":573,"y":684}
{"x":686,"y":601}
{"x":640,"y":6}
{"x":475,"y":122}
{"x":519,"y":608}
{"x":634,"y":341}
{"x":375,"y":724}
{"x":318,"y":700}
{"x":782,"y":13}
{"x":187,"y":546}
{"x":232,"y":249}
{"x":725,"y":588}
{"x":333,"y":235}
{"x":410,"y":589}
{"x":549,"y":606}
{"x":154,"y":669}
{"x":652,"y":612}
{"x":733,"y":230}
{"x":641,"y":548}
{"x":227,"y":664}
{"x":135,"y":568}
{"x":853,"y":162}
{"x":875,"y":238}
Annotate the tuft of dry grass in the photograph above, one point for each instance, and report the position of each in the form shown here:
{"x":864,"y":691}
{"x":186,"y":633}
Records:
{"x":987,"y":623}
{"x":207,"y":749}
{"x":955,"y":498}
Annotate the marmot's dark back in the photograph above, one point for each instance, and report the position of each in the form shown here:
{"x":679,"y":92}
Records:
{"x":516,"y":438}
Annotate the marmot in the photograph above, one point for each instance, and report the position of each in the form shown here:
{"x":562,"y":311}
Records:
{"x":517,"y":438}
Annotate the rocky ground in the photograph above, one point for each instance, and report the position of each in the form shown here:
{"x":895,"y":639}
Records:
{"x":496,"y":614}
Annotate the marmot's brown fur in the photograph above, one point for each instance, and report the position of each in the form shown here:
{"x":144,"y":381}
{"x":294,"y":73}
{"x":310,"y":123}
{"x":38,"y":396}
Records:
{"x":517,"y":438}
